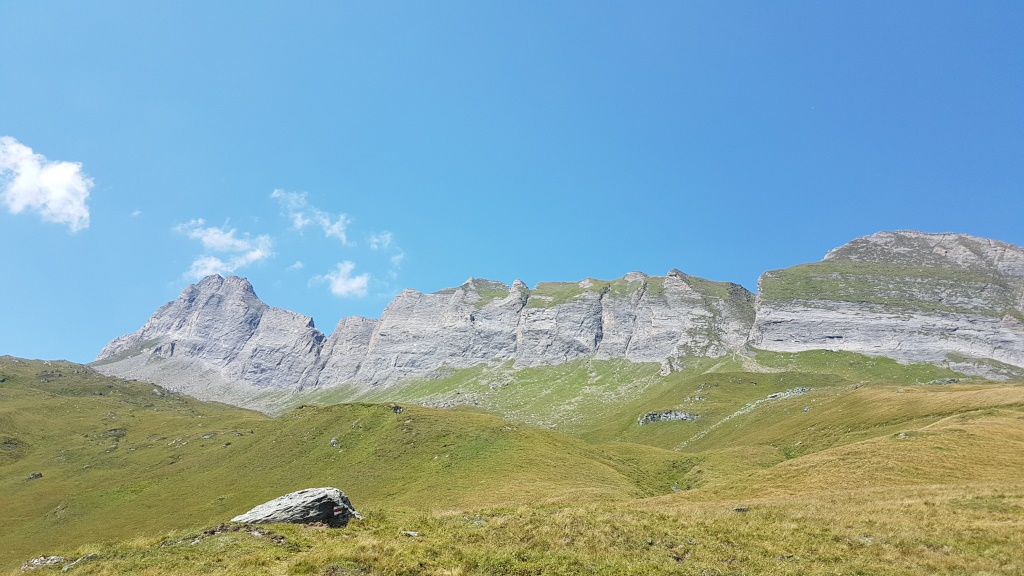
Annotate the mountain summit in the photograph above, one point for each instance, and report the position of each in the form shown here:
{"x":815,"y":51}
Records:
{"x":944,"y":298}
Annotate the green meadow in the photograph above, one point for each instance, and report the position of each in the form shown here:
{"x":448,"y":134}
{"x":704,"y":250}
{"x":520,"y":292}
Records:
{"x":811,"y":463}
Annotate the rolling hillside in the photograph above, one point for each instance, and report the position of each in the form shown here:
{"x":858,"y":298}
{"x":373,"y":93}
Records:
{"x":842,"y":463}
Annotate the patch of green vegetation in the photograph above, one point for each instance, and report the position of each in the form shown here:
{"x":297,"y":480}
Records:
{"x":625,"y":288}
{"x":656,"y":285}
{"x":718,"y":290}
{"x":548,"y":294}
{"x":1008,"y":371}
{"x":934,"y":288}
{"x":133,"y":351}
{"x":489,"y":294}
{"x":853,"y":366}
{"x":487,"y":290}
{"x":597,"y":399}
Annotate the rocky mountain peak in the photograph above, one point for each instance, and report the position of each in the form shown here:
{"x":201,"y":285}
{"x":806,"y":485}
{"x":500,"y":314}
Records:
{"x":220,"y":327}
{"x":908,"y":247}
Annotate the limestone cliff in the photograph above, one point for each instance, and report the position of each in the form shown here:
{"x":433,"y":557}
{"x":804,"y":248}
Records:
{"x":915,"y":297}
{"x":947,"y":298}
{"x":218,"y":335}
{"x":222,"y":342}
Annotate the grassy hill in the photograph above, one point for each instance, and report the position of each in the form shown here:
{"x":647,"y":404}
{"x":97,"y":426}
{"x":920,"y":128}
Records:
{"x":812,"y":463}
{"x":123,"y":458}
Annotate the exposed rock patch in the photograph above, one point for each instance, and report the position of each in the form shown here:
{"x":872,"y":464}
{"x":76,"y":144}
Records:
{"x":43,"y":562}
{"x":665,"y":415}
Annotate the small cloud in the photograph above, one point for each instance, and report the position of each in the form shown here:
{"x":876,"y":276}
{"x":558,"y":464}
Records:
{"x":241,"y":250}
{"x":206,"y":265}
{"x":136,"y":213}
{"x":216,"y":239}
{"x":303,"y":214}
{"x":297,"y":266}
{"x":385,"y":242}
{"x":342,"y":283}
{"x":380,"y":241}
{"x":57,"y":190}
{"x":396,"y":264}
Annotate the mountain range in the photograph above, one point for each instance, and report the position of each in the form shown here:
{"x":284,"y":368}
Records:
{"x":949,"y":299}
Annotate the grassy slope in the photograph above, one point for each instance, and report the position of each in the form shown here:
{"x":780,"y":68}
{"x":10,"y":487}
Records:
{"x":117,"y":459}
{"x":928,"y":503}
{"x":891,"y":531}
{"x":883,"y":472}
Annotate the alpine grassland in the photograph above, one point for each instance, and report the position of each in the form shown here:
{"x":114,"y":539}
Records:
{"x":810,"y":463}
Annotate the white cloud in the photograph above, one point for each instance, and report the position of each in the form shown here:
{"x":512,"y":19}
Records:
{"x":206,"y":265}
{"x":303,"y":214}
{"x":342,"y":283}
{"x":240,"y":250}
{"x":396,"y":264}
{"x":57,"y":190}
{"x":380,"y":241}
{"x":297,"y":266}
{"x":216,"y":239}
{"x":136,"y":213}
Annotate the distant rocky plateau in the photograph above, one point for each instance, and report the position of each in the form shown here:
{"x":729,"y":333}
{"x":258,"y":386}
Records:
{"x":949,"y":299}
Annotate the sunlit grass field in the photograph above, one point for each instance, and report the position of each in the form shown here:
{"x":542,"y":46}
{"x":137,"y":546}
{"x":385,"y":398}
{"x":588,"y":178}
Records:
{"x":813,"y":463}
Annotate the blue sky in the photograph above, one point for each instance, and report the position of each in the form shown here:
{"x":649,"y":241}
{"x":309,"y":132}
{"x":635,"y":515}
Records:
{"x":335,"y":153}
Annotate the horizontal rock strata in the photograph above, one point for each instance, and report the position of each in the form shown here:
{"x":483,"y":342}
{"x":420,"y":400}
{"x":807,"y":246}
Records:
{"x":916,"y":297}
{"x":952,"y":299}
{"x":228,"y":345}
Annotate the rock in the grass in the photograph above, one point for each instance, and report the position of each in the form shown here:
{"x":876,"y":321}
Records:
{"x":664,"y":415}
{"x":328,"y":505}
{"x":43,"y":562}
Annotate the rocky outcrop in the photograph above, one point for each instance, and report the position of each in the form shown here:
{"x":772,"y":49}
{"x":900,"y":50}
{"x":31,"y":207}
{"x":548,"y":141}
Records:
{"x":916,"y":297}
{"x":640,"y":318}
{"x":664,"y":416}
{"x":328,"y":505}
{"x":219,"y":341}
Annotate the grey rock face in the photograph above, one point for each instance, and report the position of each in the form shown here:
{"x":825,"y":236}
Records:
{"x":43,"y":562}
{"x":911,"y":296}
{"x":328,"y":505}
{"x":420,"y":333}
{"x":482,"y":322}
{"x":218,"y":331}
{"x":947,"y":298}
{"x":219,"y":341}
{"x":664,"y":416}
